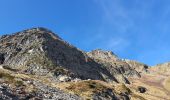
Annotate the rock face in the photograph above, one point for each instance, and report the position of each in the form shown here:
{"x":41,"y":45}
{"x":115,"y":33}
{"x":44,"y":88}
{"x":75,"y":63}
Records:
{"x":38,"y":64}
{"x":108,"y":56}
{"x":161,"y":68}
{"x":41,"y":52}
{"x":139,"y":67}
{"x":46,"y":92}
{"x":120,"y":69}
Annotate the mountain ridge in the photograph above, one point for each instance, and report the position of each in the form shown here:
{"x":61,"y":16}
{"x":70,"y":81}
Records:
{"x":37,"y":58}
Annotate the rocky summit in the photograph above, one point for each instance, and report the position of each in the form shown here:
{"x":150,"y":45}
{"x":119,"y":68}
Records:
{"x":37,"y":64}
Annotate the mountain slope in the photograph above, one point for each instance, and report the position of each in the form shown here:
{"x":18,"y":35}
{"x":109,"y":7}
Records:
{"x":121,"y":69}
{"x":38,"y":64}
{"x":156,"y":82}
{"x":39,"y":51}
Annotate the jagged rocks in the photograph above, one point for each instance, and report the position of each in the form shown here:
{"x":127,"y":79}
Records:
{"x":39,"y":51}
{"x":140,"y":67}
{"x":105,"y":95}
{"x":42,"y":92}
{"x":103,"y":55}
{"x":40,"y":61}
{"x":120,"y":69}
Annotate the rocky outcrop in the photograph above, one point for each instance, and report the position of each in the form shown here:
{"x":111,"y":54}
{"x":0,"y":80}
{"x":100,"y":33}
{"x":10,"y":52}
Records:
{"x":141,"y":89}
{"x":7,"y":93}
{"x":120,"y":69}
{"x":100,"y":54}
{"x":139,"y":67}
{"x":163,"y":68}
{"x":41,"y":52}
{"x":37,"y":64}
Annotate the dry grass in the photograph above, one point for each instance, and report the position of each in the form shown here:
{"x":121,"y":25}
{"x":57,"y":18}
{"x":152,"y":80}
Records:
{"x":121,"y":88}
{"x":167,"y":84}
{"x":84,"y":88}
{"x":30,"y":88}
{"x":154,"y":92}
{"x":137,"y":97}
{"x":8,"y":78}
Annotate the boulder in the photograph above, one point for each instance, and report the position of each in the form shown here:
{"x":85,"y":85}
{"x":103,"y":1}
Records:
{"x":141,"y":89}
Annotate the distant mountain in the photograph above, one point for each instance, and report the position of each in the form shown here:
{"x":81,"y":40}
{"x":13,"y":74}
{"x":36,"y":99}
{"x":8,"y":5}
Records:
{"x":37,"y":64}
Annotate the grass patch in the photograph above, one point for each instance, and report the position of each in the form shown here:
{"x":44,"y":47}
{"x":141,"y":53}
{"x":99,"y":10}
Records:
{"x":8,"y":78}
{"x":121,"y":88}
{"x":137,"y":97}
{"x":85,"y":88}
{"x":18,"y":83}
{"x":167,"y":84}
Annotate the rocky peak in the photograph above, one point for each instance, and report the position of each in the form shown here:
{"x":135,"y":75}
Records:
{"x":41,"y":52}
{"x":163,"y":68}
{"x":117,"y":67}
{"x":140,"y":67}
{"x":104,"y":55}
{"x":37,"y":64}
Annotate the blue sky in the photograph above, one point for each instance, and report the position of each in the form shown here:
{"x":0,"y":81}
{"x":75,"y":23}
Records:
{"x":133,"y":29}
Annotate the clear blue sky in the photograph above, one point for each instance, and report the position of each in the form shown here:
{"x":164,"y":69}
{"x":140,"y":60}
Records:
{"x":133,"y":29}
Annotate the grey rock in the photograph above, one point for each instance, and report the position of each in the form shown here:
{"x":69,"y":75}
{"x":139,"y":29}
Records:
{"x":141,"y":89}
{"x":120,"y":69}
{"x":39,"y":51}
